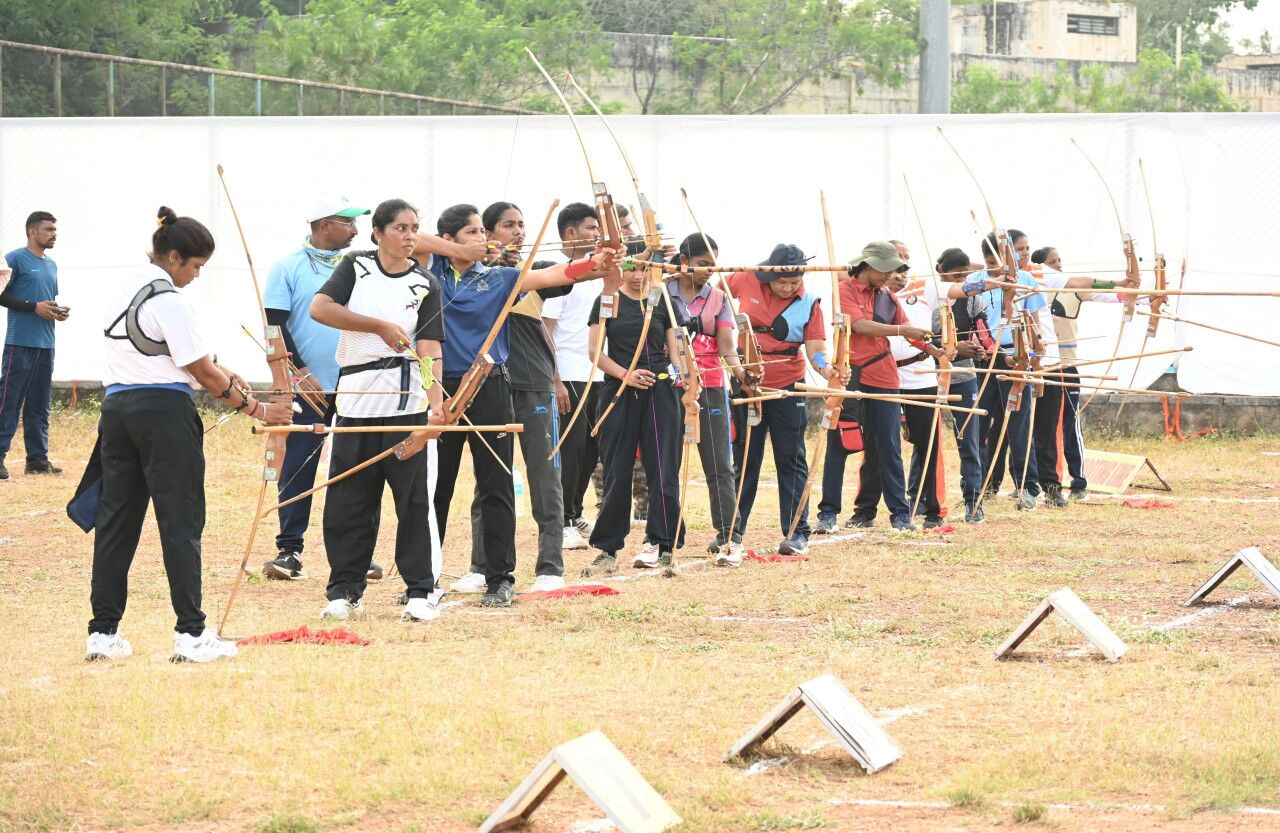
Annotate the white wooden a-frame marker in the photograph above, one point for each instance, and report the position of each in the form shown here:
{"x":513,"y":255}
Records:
{"x":1075,"y":611}
{"x":600,"y":771}
{"x":842,"y":715}
{"x":1251,"y":558}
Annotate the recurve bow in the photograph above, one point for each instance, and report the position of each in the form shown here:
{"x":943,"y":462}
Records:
{"x":281,"y":391}
{"x":607,"y":213}
{"x":840,"y":335}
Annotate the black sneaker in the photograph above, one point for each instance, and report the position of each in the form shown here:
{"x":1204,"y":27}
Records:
{"x":606,"y":564}
{"x":1076,"y":494}
{"x":797,"y":544}
{"x":973,"y":513}
{"x":826,"y":525}
{"x":933,"y":522}
{"x":902,"y":524}
{"x":4,"y":472}
{"x":374,"y":573}
{"x":857,"y":521}
{"x":286,"y":566}
{"x":501,"y":596}
{"x":1024,"y":501}
{"x":664,"y":558}
{"x":1053,"y":494}
{"x":41,"y":466}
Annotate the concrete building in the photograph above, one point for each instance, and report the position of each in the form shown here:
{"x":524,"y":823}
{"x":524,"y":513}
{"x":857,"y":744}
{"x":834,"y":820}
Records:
{"x":1066,"y":30}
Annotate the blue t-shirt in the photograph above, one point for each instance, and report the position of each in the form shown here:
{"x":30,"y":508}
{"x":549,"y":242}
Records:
{"x":472,"y":302}
{"x":995,"y":304}
{"x":291,"y":284}
{"x":34,"y":279}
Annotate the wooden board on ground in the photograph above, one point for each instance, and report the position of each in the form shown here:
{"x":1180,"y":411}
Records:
{"x":1252,"y":558}
{"x":1075,"y":611}
{"x":602,"y":772}
{"x":1111,"y":473}
{"x":840,"y":713}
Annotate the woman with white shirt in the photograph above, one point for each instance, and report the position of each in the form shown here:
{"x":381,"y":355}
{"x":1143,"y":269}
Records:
{"x":152,"y":441}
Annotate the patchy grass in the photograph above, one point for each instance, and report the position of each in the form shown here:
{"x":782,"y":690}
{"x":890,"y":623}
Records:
{"x":431,"y":726}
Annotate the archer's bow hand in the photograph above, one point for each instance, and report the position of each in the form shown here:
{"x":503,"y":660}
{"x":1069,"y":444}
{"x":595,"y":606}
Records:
{"x":970,"y":350}
{"x":606,"y":260}
{"x":1130,"y":282}
{"x":277,"y":412}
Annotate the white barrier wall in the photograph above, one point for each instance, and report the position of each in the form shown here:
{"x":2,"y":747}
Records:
{"x":754,"y":182}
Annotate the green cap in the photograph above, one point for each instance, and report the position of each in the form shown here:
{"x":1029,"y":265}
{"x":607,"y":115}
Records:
{"x":881,"y":256}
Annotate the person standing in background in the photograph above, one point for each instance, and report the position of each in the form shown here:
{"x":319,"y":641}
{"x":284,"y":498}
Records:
{"x":291,"y":286}
{"x":26,"y":370}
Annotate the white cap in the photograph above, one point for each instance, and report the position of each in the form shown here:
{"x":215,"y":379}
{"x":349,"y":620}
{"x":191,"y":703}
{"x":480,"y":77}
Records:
{"x":332,"y":205}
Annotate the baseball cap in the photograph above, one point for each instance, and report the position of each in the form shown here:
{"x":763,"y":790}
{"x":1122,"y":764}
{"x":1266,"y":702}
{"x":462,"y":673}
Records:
{"x":880,"y":255}
{"x":332,"y":205}
{"x":783,"y":254}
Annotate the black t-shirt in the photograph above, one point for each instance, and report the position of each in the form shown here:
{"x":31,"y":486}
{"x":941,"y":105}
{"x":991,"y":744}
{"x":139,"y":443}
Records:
{"x":389,"y":296}
{"x":623,"y":332}
{"x":531,"y":363}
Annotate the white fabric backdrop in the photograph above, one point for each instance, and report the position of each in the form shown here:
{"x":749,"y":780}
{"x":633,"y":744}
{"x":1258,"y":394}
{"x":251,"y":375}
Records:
{"x":754,"y":182}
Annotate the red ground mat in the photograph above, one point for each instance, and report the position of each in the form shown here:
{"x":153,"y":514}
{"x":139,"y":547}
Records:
{"x":336,"y":636}
{"x":774,"y":557}
{"x":571,"y":590}
{"x":1151,"y":503}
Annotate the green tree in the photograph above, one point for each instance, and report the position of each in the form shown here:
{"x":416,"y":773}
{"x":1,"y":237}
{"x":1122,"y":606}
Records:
{"x":188,"y":31}
{"x":461,"y":49}
{"x":1155,"y":85}
{"x":749,"y":56}
{"x":1158,"y":22}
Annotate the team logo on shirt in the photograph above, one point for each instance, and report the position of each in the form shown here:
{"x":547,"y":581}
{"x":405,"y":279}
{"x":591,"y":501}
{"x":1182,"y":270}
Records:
{"x":420,"y":292}
{"x":482,"y":285}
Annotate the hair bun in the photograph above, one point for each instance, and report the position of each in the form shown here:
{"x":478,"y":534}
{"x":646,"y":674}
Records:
{"x":166,"y":216}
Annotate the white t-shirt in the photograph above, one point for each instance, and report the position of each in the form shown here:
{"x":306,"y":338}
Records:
{"x":167,"y":317}
{"x":370,"y":371}
{"x":919,"y":299}
{"x":572,"y":332}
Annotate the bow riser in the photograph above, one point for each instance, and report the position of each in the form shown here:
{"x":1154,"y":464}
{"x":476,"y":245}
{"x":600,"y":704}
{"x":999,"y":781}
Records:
{"x":1157,"y":301}
{"x":1131,"y":272}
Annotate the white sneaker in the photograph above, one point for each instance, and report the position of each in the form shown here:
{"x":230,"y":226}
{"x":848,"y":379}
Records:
{"x":573,"y":539}
{"x":102,"y":646}
{"x":544,"y":583}
{"x":206,"y":647}
{"x":583,"y":525}
{"x":420,"y":610}
{"x":647,"y":557}
{"x":342,"y":609}
{"x":470,"y":583}
{"x":732,"y":557}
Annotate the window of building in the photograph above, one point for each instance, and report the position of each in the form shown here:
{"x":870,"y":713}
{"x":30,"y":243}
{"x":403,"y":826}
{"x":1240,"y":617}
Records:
{"x":1089,"y":24}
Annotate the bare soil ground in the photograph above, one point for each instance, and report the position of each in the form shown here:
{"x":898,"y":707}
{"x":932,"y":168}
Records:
{"x":432,"y":725}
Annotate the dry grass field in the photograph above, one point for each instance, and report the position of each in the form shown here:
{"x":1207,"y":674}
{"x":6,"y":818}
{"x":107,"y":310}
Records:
{"x":431,"y":726}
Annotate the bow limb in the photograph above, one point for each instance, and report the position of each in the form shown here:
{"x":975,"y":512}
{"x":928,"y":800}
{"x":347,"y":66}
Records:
{"x":653,"y":244}
{"x":282,"y":391}
{"x":947,"y":326}
{"x":1037,"y":387}
{"x":1131,"y":265}
{"x":607,"y":214}
{"x":1010,"y":268}
{"x":1156,"y":302}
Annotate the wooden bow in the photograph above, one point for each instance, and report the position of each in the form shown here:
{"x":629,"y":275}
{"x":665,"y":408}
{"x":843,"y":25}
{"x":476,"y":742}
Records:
{"x":684,"y":345}
{"x":281,"y":391}
{"x":947,"y":331}
{"x":831,"y":407}
{"x":607,"y":214}
{"x":455,"y":406}
{"x":1131,"y":270}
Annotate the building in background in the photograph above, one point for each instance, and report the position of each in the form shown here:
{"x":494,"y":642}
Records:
{"x":1067,"y":30}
